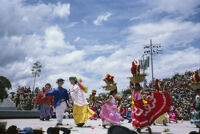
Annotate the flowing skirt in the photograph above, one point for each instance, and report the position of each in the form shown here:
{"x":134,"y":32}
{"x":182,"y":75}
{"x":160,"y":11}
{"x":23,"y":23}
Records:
{"x":109,"y":114}
{"x":172,"y":116}
{"x":158,"y":103}
{"x":81,"y":113}
{"x":45,"y":111}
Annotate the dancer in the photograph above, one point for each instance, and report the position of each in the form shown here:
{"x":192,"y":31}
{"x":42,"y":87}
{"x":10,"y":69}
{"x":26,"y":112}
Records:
{"x":165,"y":117}
{"x":109,"y":113}
{"x":81,"y":110}
{"x":173,"y":114}
{"x":122,"y":110}
{"x":195,"y":118}
{"x":45,"y":103}
{"x":93,"y":101}
{"x":195,"y":84}
{"x":129,"y":115}
{"x":145,"y":112}
{"x":61,"y":99}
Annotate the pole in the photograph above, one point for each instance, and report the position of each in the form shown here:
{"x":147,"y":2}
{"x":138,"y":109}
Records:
{"x":143,"y":63}
{"x":152,"y":63}
{"x":143,"y":68}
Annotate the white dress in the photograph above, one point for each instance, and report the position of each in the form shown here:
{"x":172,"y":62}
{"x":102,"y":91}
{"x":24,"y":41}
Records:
{"x":112,"y":100}
{"x":78,"y":96}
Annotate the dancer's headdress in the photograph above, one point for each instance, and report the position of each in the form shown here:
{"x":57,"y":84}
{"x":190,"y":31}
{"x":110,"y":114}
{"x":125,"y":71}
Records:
{"x":79,"y":82}
{"x":137,"y":76}
{"x":157,"y":84}
{"x":110,"y":83}
{"x":195,"y":84}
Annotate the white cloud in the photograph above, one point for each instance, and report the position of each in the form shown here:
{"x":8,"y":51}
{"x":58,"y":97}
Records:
{"x":177,"y":62}
{"x":101,"y":18}
{"x":77,"y":39}
{"x":54,"y":40}
{"x":72,"y":24}
{"x":176,"y":9}
{"x":62,"y":10}
{"x":167,"y":32}
{"x":97,"y":49}
{"x":175,"y":6}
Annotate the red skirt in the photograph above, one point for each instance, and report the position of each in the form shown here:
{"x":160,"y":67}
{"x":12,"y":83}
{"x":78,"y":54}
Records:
{"x":159,"y":102}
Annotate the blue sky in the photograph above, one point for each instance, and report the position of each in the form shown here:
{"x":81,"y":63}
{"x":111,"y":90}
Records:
{"x":91,"y":37}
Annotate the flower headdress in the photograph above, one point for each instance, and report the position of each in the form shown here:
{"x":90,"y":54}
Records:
{"x":79,"y":82}
{"x":82,"y":87}
{"x":110,"y":83}
{"x":109,"y":78}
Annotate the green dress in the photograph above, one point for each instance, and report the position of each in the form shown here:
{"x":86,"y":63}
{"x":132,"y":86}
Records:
{"x":195,"y":117}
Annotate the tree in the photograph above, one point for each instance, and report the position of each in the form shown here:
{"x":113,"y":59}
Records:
{"x":36,"y":70}
{"x":126,"y":92}
{"x":4,"y":84}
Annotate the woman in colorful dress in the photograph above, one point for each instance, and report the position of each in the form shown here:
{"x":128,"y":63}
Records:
{"x":45,"y":103}
{"x":173,"y":115}
{"x":92,"y":101}
{"x":145,"y":112}
{"x":109,"y":113}
{"x":81,"y":110}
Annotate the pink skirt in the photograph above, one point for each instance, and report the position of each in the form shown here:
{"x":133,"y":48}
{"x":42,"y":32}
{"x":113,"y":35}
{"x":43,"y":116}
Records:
{"x":172,"y":116}
{"x":110,"y":115}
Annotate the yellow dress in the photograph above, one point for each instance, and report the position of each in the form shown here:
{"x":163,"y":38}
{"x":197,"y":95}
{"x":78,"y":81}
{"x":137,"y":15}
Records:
{"x":81,"y":110}
{"x":82,"y":113}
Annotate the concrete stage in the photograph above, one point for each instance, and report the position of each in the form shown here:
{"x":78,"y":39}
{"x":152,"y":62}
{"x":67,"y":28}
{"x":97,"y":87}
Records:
{"x":8,"y":111}
{"x":9,"y":114}
{"x":94,"y":127}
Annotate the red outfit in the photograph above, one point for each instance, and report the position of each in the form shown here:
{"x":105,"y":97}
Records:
{"x":158,"y":103}
{"x":41,"y":98}
{"x":123,"y":111}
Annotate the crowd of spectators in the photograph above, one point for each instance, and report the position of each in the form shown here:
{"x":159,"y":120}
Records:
{"x":181,"y":94}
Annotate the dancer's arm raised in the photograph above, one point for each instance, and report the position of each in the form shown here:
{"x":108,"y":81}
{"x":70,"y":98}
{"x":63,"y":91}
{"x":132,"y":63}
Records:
{"x":108,"y":100}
